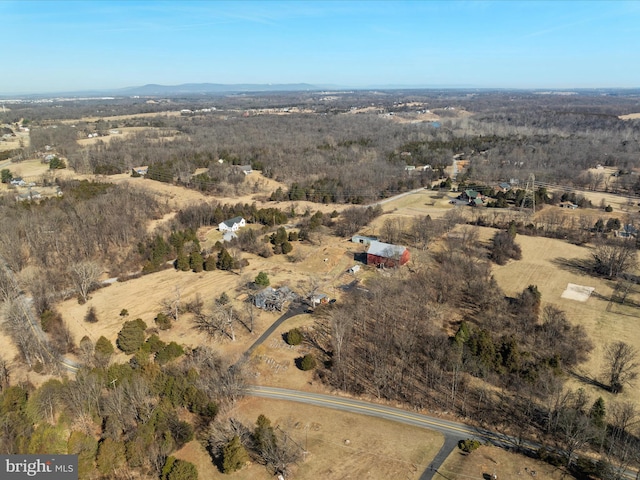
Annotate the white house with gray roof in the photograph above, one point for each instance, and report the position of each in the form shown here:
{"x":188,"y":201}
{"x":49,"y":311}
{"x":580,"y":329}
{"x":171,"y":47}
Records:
{"x":232,"y":225}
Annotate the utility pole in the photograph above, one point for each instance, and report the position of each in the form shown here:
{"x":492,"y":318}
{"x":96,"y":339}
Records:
{"x":529,"y":194}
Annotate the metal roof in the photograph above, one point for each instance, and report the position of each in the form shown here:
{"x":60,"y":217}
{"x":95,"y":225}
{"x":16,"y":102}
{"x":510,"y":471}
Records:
{"x":386,"y":250}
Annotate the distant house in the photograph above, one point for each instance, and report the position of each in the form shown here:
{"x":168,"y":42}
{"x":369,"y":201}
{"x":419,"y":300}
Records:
{"x":362,"y":239}
{"x":504,"y":187}
{"x":569,"y":205}
{"x":232,"y":225}
{"x":386,"y":254}
{"x":627,"y":231}
{"x":472,"y":197}
{"x":142,"y":171}
{"x":28,"y":196}
{"x":246,"y":169}
{"x":18,"y":181}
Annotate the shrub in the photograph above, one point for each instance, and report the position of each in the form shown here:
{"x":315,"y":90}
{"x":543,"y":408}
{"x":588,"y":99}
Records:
{"x":262,"y":279}
{"x":168,"y":353}
{"x":468,"y":445}
{"x":308,"y":362}
{"x":294,"y":337}
{"x":608,"y":208}
{"x":91,"y":316}
{"x":163,"y":321}
{"x":49,"y":320}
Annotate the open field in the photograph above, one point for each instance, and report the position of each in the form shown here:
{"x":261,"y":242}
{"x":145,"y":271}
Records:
{"x":487,"y":461}
{"x":340,"y":445}
{"x":21,"y":140}
{"x":553,"y":264}
{"x":630,"y":116}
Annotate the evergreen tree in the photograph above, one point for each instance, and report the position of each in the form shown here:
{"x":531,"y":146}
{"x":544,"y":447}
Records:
{"x":234,"y":455}
{"x":225,"y":260}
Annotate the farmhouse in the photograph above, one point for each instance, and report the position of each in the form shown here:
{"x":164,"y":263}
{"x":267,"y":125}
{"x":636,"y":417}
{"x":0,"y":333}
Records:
{"x":232,"y":225}
{"x":386,"y":254}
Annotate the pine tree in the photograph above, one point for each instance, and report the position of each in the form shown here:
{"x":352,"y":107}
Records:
{"x":234,"y":455}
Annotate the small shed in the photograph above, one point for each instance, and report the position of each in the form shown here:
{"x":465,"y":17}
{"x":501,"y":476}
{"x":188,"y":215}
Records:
{"x":362,"y":239}
{"x":354,"y":269}
{"x":318,"y":299}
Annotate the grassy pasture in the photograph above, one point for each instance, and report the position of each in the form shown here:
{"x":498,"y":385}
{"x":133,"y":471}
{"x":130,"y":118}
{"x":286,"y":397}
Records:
{"x":552,"y":264}
{"x":487,"y":461}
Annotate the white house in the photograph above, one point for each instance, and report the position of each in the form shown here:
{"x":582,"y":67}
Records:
{"x":232,"y":225}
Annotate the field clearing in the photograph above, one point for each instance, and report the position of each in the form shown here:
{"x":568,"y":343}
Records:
{"x":13,"y":143}
{"x":342,"y":445}
{"x":630,"y":116}
{"x":170,"y":113}
{"x":488,"y":460}
{"x":553,"y":264}
{"x":124,"y":132}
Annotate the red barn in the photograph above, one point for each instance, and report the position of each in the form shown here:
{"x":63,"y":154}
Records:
{"x":386,"y":254}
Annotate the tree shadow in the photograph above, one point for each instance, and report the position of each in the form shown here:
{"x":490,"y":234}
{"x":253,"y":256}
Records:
{"x":582,"y":266}
{"x":589,"y":381}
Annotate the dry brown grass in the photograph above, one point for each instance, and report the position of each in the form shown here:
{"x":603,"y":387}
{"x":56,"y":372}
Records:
{"x":552,"y":264}
{"x":630,"y":116}
{"x":343,"y":445}
{"x":493,"y":460}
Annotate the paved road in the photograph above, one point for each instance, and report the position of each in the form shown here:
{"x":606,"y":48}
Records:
{"x":292,"y":312}
{"x":452,"y":431}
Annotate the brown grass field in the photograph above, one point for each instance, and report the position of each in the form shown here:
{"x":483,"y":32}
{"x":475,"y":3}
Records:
{"x":339,"y":445}
{"x":487,"y":461}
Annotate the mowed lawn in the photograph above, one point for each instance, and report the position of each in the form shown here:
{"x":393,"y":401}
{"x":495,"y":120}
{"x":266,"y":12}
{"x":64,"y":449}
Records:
{"x":552,"y":264}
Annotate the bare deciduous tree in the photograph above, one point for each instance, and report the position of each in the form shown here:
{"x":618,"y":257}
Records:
{"x":219,"y":322}
{"x":84,"y":275}
{"x":615,"y":257}
{"x":621,"y":365}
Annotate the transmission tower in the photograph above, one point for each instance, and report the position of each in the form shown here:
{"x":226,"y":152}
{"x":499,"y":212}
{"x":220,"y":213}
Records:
{"x":529,"y":199}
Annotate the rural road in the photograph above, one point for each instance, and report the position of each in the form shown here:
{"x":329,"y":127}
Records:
{"x":452,"y":431}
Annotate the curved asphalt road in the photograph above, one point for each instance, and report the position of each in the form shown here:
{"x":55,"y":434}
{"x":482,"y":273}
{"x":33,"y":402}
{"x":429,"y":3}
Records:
{"x":452,"y":431}
{"x":292,"y":312}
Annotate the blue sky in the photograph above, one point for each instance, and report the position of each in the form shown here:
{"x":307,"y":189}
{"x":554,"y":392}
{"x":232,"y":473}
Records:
{"x":52,"y":46}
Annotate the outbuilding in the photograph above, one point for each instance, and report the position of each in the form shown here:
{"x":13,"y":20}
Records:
{"x":387,"y":254}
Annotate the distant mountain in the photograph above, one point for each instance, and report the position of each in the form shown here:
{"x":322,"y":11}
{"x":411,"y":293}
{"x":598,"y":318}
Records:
{"x":205,"y":88}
